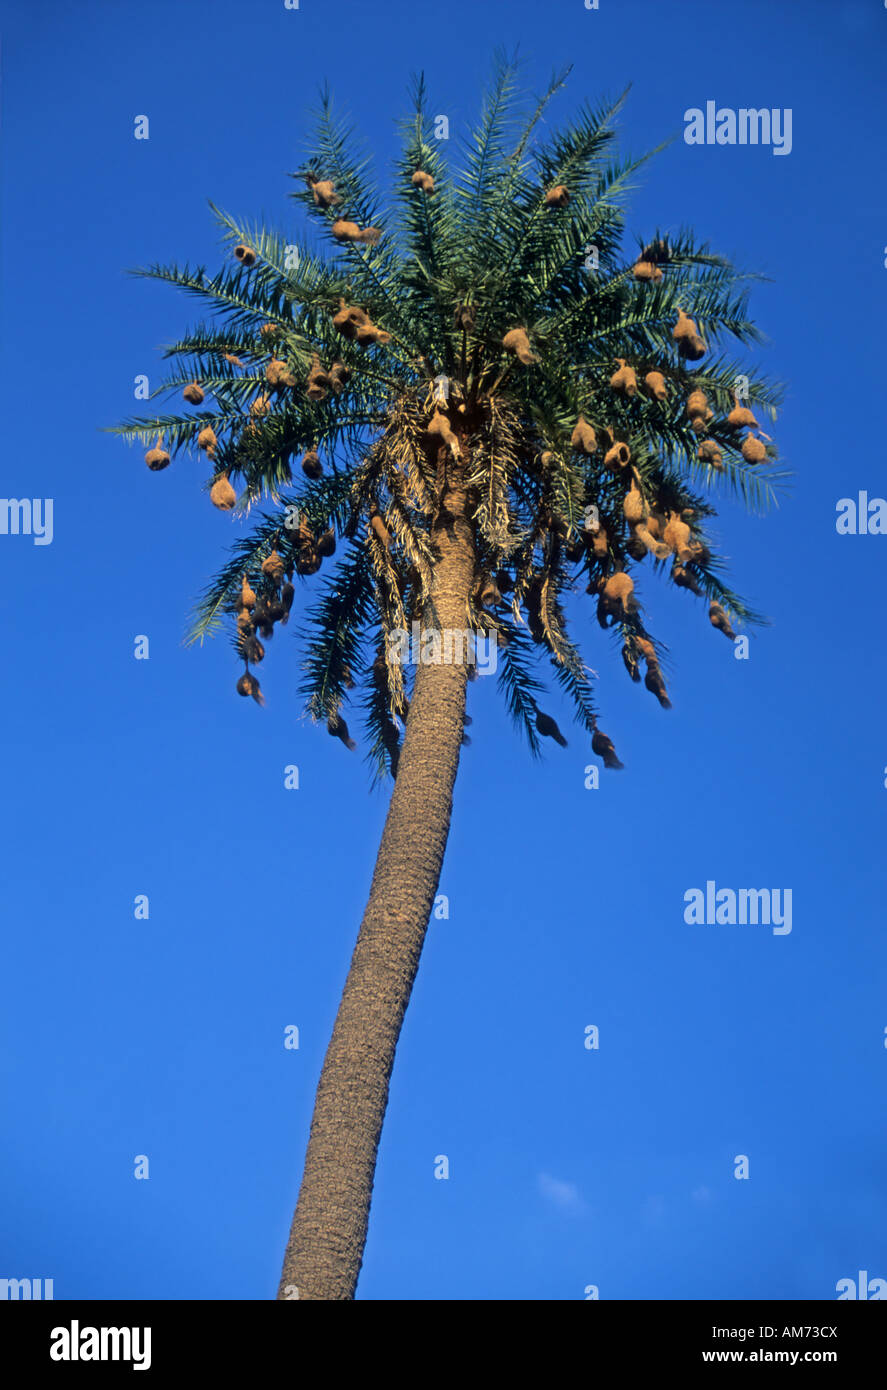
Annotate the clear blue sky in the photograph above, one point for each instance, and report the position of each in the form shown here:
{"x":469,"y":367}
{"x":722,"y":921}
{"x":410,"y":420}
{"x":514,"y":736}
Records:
{"x":121,"y":1037}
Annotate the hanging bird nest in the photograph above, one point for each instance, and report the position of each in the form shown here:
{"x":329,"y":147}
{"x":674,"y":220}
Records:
{"x":557,"y":197}
{"x":646,"y":270}
{"x":326,"y":543}
{"x":273,"y":567}
{"x":248,"y":685}
{"x":740,"y":417}
{"x":325,"y":195}
{"x":312,"y":466}
{"x":625,"y":380}
{"x":655,"y":384}
{"x":222,"y":494}
{"x":517,"y":342}
{"x":690,"y":344}
{"x":753,"y":450}
{"x":278,"y":374}
{"x":317,"y":382}
{"x":193,"y":393}
{"x":157,"y":458}
{"x":260,"y":406}
{"x":439,"y":428}
{"x":618,"y":457}
{"x":245,"y":254}
{"x":424,"y":181}
{"x":583,"y":439}
{"x":708,"y":452}
{"x":308,"y":561}
{"x":718,"y":619}
{"x":349,"y":231}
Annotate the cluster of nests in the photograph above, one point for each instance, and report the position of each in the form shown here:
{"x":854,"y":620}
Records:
{"x":256,"y":616}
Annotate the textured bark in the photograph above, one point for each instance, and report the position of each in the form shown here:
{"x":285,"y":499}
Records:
{"x":328,"y":1234}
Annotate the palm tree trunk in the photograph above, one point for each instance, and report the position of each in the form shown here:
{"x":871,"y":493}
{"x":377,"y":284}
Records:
{"x":328,"y":1234}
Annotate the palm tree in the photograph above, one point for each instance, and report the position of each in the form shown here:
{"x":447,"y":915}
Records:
{"x":494,"y":407}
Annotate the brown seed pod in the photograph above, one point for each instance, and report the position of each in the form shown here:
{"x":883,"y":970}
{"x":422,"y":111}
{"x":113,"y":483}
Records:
{"x":193,"y":393}
{"x":245,"y":254}
{"x":206,"y":439}
{"x":157,"y":458}
{"x":618,"y":457}
{"x":690,"y":344}
{"x":740,"y":416}
{"x":753,"y":451}
{"x":278,"y":374}
{"x":633,"y":504}
{"x":324,"y":192}
{"x":326,"y":543}
{"x":222,"y":494}
{"x":247,"y":594}
{"x":312,"y":466}
{"x":248,"y":685}
{"x":655,"y":384}
{"x":558,"y":196}
{"x":273,"y":567}
{"x":260,"y":406}
{"x":423,"y":181}
{"x":625,"y":380}
{"x":583,"y":439}
{"x":603,"y":747}
{"x":516,"y":341}
{"x":718,"y":619}
{"x":439,"y":427}
{"x":708,"y":452}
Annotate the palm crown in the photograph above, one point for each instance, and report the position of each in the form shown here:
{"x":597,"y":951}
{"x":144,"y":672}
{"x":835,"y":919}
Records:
{"x":485,"y":321}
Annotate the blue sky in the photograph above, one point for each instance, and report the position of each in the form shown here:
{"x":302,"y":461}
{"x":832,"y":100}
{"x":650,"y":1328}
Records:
{"x":568,"y":1167}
